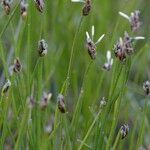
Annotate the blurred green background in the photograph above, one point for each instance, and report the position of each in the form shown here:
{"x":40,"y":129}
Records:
{"x":57,"y":25}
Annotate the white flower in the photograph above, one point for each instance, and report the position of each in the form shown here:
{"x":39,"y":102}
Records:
{"x":90,"y":44}
{"x":109,"y":62}
{"x":92,"y":36}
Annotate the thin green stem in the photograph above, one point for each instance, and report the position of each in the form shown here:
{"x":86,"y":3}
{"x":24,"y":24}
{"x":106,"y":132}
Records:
{"x":79,"y":101}
{"x":141,"y":132}
{"x":10,"y":18}
{"x":89,"y":130}
{"x":66,"y":82}
{"x":116,"y":141}
{"x":112,"y":130}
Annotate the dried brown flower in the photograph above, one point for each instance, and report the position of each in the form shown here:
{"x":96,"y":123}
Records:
{"x":45,"y":100}
{"x":91,"y":45}
{"x":17,"y":65}
{"x":120,"y":50}
{"x":87,"y":8}
{"x":7,"y":6}
{"x":6,"y":87}
{"x":61,"y":103}
{"x":134,"y":19}
{"x":39,"y":5}
{"x":125,"y":46}
{"x":124,"y":131}
{"x":146,"y":87}
{"x":42,"y":47}
{"x":23,"y":9}
{"x":128,"y":43}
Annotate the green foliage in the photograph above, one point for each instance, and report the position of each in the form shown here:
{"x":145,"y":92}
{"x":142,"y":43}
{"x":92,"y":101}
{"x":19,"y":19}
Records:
{"x":68,"y":69}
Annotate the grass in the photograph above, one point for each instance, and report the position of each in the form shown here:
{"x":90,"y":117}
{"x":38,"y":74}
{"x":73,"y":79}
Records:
{"x":68,"y":69}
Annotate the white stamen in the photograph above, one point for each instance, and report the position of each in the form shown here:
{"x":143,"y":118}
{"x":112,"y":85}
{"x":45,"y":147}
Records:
{"x":87,"y":35}
{"x":81,"y":1}
{"x":111,"y":62}
{"x":121,"y":41}
{"x":49,"y":96}
{"x":93,"y":32}
{"x":108,"y":55}
{"x":132,"y":14}
{"x":139,"y":38}
{"x":99,"y":40}
{"x":124,"y":15}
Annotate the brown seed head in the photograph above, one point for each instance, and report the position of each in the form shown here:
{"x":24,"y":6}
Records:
{"x":61,"y":103}
{"x":135,"y":20}
{"x":91,"y":49}
{"x":17,"y":65}
{"x":128,"y":44}
{"x":45,"y":100}
{"x":39,"y":5}
{"x":42,"y":47}
{"x":6,"y":87}
{"x":23,"y":9}
{"x":120,"y":50}
{"x":124,"y":130}
{"x":7,"y":6}
{"x":146,"y":87}
{"x":87,"y":8}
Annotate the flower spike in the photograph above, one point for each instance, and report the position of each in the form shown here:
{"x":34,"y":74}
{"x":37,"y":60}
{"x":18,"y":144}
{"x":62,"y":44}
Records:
{"x":133,"y":19}
{"x":90,"y":44}
{"x":86,"y":8}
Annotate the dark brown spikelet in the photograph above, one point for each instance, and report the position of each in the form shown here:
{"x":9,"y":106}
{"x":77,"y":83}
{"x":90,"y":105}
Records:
{"x":6,"y":87}
{"x":39,"y":5}
{"x":128,"y":44}
{"x":17,"y":65}
{"x":124,"y":131}
{"x":120,"y":50}
{"x":146,"y":87}
{"x":61,"y":103}
{"x":45,"y":100}
{"x":23,"y":9}
{"x":42,"y":47}
{"x":91,"y":49}
{"x":7,"y":6}
{"x":135,"y":20}
{"x":87,"y":8}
